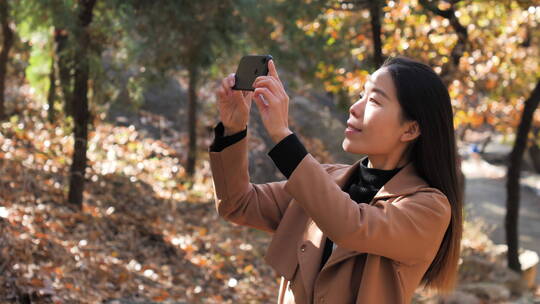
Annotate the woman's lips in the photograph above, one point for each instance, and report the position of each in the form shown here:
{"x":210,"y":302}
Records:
{"x":351,"y":130}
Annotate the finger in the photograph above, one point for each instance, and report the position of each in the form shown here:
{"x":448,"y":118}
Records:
{"x":237,"y":96}
{"x":272,"y":69}
{"x":267,"y":95}
{"x":268,"y":83}
{"x":231,"y":79}
{"x":272,"y":72}
{"x":226,"y":82}
{"x":261,"y":105}
{"x":226,"y":85}
{"x":249,"y":96}
{"x":263,"y":81}
{"x":278,"y":84}
{"x":261,"y":78}
{"x":225,"y":88}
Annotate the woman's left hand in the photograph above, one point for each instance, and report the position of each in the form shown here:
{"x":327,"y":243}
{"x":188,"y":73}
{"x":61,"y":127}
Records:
{"x":275,"y":107}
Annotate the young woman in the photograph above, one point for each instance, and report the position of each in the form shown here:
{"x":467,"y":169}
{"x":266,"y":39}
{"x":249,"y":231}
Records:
{"x":370,"y":232}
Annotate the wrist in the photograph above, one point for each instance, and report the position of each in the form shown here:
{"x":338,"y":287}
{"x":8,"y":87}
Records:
{"x":231,"y":131}
{"x":280,"y":135}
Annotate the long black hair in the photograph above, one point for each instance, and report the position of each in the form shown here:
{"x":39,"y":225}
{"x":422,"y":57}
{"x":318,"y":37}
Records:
{"x":424,"y":98}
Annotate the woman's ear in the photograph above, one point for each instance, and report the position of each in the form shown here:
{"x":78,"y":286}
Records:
{"x":412,"y":131}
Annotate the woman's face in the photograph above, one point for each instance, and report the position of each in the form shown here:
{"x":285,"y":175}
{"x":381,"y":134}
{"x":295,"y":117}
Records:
{"x":377,"y":115}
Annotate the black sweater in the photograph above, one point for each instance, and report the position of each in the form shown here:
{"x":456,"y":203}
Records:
{"x":288,"y":153}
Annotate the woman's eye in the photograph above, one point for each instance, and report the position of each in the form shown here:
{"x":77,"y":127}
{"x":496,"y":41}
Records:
{"x":361,"y":95}
{"x":373,"y":100}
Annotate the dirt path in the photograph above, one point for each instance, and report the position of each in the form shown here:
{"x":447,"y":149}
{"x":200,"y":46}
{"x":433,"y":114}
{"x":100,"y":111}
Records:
{"x":485,"y":198}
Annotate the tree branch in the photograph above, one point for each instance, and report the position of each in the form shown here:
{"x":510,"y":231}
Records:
{"x":461,"y":31}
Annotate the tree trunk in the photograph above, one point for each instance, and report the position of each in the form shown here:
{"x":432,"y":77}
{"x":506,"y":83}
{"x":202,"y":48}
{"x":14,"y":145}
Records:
{"x":64,"y":69}
{"x":7,"y":42}
{"x":534,"y":154}
{"x":534,"y":150}
{"x":52,"y":91}
{"x":80,"y":103}
{"x":512,"y":183}
{"x":192,"y":120}
{"x":375,"y":14}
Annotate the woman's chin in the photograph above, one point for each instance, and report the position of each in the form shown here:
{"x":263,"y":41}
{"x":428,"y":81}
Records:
{"x":348,"y":147}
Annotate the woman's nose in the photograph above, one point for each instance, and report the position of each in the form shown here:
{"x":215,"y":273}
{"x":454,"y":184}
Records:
{"x":356,"y":108}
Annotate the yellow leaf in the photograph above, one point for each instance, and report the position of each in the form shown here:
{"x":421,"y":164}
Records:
{"x":248,"y":268}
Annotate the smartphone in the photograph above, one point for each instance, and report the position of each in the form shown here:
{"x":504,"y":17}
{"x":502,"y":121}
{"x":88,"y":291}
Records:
{"x":249,"y":68}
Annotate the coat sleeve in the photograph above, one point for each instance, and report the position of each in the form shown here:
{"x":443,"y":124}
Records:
{"x":408,"y":230}
{"x":237,"y":200}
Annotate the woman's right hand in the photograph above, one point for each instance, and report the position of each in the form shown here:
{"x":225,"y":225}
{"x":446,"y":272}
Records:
{"x":233,"y":106}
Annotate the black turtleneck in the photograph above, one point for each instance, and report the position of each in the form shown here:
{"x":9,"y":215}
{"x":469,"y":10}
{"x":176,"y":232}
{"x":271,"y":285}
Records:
{"x":287,"y":154}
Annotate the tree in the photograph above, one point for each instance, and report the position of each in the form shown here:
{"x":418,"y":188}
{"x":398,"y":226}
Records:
{"x":63,"y":56}
{"x":315,"y":41}
{"x":186,"y":34}
{"x":513,"y":174}
{"x":375,"y":10}
{"x":80,"y":101}
{"x":375,"y":16}
{"x":51,"y":97}
{"x":7,"y":43}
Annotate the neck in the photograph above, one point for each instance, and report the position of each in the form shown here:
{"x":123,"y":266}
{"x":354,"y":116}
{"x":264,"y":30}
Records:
{"x":386,"y":162}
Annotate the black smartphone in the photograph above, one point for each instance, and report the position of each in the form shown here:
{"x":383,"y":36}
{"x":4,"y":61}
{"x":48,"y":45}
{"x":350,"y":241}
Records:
{"x":249,"y":68}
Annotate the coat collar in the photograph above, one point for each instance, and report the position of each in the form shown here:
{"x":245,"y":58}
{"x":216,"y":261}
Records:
{"x":403,"y":183}
{"x":301,"y":230}
{"x":406,"y":181}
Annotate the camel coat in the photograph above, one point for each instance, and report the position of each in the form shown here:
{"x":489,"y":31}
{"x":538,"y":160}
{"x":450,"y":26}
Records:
{"x":383,"y":248}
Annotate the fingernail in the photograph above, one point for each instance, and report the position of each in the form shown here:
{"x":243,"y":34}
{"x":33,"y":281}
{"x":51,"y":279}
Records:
{"x":264,"y":101}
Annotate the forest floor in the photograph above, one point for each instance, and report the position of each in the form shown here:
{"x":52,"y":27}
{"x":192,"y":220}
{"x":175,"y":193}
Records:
{"x":145,"y":233}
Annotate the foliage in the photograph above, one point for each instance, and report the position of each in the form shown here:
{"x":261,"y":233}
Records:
{"x":493,"y":78}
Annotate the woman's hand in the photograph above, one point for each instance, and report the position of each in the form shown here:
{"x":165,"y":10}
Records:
{"x":273,"y":104}
{"x":233,"y":106}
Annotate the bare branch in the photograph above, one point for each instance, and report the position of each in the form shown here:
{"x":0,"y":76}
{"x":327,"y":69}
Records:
{"x":460,"y":30}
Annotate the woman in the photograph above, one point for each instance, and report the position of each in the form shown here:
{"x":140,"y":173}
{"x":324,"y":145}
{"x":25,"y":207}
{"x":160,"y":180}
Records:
{"x":370,"y":232}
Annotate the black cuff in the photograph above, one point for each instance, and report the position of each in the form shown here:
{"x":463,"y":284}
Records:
{"x":221,"y":142}
{"x":287,"y":154}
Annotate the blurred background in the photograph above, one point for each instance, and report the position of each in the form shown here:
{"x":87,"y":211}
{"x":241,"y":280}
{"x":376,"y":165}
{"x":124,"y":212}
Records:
{"x":107,"y":112}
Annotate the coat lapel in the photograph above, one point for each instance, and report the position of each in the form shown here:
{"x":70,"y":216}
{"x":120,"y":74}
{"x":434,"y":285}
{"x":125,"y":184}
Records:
{"x":299,"y":229}
{"x":314,"y":237}
{"x":309,"y":260}
{"x":280,"y":254}
{"x":405,"y":182}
